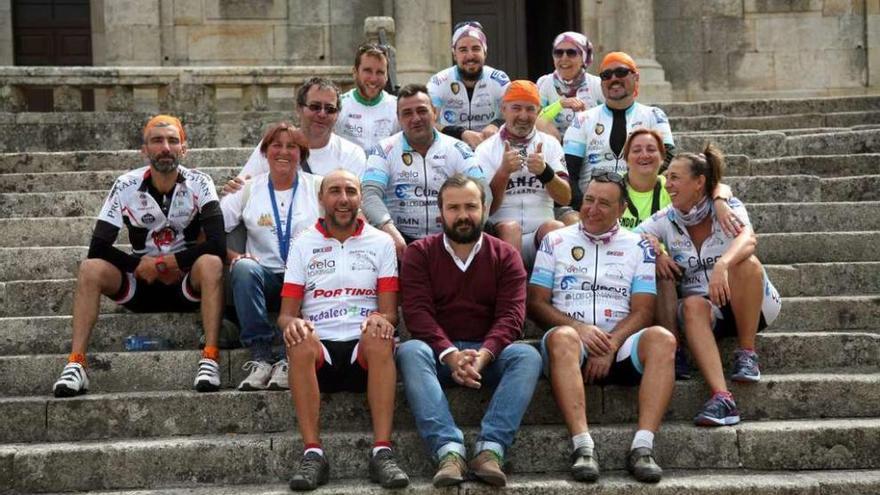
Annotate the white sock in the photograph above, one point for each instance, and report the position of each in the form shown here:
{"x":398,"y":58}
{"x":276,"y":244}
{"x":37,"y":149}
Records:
{"x":643,"y":438}
{"x":583,"y":440}
{"x":316,"y":450}
{"x":377,"y":449}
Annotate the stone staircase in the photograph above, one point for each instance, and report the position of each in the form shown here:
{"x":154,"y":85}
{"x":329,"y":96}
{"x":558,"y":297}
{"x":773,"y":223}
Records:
{"x":809,"y":171}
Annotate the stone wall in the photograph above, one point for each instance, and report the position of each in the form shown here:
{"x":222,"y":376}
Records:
{"x":230,"y":32}
{"x":6,"y":53}
{"x":724,"y":48}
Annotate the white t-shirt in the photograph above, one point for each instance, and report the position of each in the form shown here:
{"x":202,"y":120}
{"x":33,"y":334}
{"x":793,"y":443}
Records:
{"x":339,"y":283}
{"x":364,"y":123}
{"x":450,"y":98}
{"x":259,"y":219}
{"x":525,"y":198}
{"x":590,"y":92}
{"x":339,"y":153}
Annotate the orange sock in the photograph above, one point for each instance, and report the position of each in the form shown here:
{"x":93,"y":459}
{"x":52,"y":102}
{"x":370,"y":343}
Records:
{"x":211,"y":352}
{"x":77,"y":357}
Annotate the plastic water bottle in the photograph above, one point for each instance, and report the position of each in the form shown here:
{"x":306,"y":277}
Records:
{"x":138,"y":343}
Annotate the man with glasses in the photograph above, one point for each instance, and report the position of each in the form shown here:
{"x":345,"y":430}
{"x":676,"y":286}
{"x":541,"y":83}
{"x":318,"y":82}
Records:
{"x":368,"y":113}
{"x":593,"y":287}
{"x":468,"y":94}
{"x":596,"y":137}
{"x":405,"y":171}
{"x":317,"y":106}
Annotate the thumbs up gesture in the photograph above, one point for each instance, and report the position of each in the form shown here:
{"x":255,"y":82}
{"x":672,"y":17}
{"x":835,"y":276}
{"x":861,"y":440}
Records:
{"x":511,"y":160}
{"x":535,"y":161}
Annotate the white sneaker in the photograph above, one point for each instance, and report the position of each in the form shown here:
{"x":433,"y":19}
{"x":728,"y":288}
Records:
{"x":259,"y":377}
{"x":73,"y":381}
{"x":279,"y":376}
{"x":208,"y":376}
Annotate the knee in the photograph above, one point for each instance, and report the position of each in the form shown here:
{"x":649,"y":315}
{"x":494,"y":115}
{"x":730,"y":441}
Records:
{"x":375,"y":347}
{"x":659,"y":341}
{"x":563,"y":343}
{"x":508,"y":230}
{"x":749,"y":267}
{"x":209,"y":268}
{"x":414,"y":351}
{"x":244,"y":269}
{"x":694,"y":306}
{"x":304,"y":354}
{"x":524,"y":356}
{"x":91,"y":272}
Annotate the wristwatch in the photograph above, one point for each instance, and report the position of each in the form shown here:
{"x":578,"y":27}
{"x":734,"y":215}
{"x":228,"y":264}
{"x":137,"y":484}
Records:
{"x":161,"y":266}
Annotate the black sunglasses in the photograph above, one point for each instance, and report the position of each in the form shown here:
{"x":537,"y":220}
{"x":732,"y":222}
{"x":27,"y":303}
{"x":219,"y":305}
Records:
{"x":619,"y":73}
{"x":366,"y":47}
{"x":607,"y":176}
{"x":317,"y":107}
{"x":571,"y":52}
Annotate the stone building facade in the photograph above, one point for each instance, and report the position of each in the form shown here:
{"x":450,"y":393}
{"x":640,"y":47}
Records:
{"x":687,"y":49}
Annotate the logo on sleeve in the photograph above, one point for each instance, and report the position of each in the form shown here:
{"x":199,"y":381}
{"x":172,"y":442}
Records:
{"x":648,"y":254}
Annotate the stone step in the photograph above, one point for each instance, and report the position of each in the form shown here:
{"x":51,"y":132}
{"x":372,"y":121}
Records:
{"x":835,"y":313}
{"x":772,"y":107}
{"x":119,"y":160}
{"x":267,"y":458}
{"x":818,"y":247}
{"x":48,"y":182}
{"x":181,"y":413}
{"x":675,"y":482}
{"x":34,"y":374}
{"x":830,"y":166}
{"x":774,"y":122}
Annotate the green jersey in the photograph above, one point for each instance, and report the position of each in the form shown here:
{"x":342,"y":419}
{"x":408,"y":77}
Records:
{"x":641,"y":205}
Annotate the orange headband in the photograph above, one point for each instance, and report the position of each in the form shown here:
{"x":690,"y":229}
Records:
{"x":621,"y":58}
{"x":163,"y":121}
{"x":522,"y":90}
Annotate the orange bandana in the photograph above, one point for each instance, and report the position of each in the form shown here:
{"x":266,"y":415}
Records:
{"x":163,"y":121}
{"x":522,"y":90}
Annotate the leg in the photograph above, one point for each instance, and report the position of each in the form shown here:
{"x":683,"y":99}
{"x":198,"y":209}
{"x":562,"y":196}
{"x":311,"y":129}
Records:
{"x":656,"y":351}
{"x":426,"y":399}
{"x":570,"y":218}
{"x":95,"y":277}
{"x":667,"y":300}
{"x":748,"y":278}
{"x":510,"y":232}
{"x":207,"y":278}
{"x":381,"y":383}
{"x":304,"y":387}
{"x":564,"y":352}
{"x":252,"y":285}
{"x":701,"y":341}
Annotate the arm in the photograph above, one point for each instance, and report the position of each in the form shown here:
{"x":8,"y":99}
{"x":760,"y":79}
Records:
{"x":510,"y":303}
{"x":215,"y":239}
{"x":574,"y":164}
{"x":101,"y":247}
{"x":373,"y":204}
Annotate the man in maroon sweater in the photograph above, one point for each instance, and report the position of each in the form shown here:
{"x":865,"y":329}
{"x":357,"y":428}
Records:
{"x":464,"y":305}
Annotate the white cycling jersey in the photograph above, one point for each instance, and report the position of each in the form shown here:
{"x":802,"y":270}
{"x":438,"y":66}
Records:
{"x":256,"y":212}
{"x":339,"y":282}
{"x":525,"y":199}
{"x":365,"y":122}
{"x":590,"y":92}
{"x":338,"y":153}
{"x":412,"y":182}
{"x":593,"y":282}
{"x":155,"y":229}
{"x":697,"y":265}
{"x":589,"y":137}
{"x":450,"y":98}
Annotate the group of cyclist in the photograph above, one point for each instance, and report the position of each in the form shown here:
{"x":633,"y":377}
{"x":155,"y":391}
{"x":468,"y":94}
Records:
{"x":563,"y":201}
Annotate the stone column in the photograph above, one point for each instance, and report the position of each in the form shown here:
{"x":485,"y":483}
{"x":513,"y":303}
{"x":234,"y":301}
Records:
{"x":7,"y":56}
{"x":423,"y":33}
{"x":635,"y":35}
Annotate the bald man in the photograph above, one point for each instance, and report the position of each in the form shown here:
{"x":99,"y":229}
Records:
{"x":164,"y":207}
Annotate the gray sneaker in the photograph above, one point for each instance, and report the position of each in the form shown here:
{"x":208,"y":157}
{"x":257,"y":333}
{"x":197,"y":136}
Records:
{"x":641,"y":464}
{"x":584,"y":465}
{"x":385,"y":471}
{"x":279,"y":381}
{"x":258,"y":379}
{"x":745,"y":366}
{"x":313,"y":471}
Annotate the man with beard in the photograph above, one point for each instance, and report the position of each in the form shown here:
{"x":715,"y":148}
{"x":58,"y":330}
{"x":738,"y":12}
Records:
{"x":367,"y":113}
{"x":338,"y":313}
{"x":405,"y":171}
{"x":165,"y":208}
{"x":463,"y":301}
{"x":596,"y":137}
{"x":527,"y":170}
{"x":468,"y":94}
{"x":317,"y":107}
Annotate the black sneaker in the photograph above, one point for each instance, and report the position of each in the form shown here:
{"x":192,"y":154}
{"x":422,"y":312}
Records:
{"x":682,"y":367}
{"x":641,"y":464}
{"x":313,"y":471}
{"x":584,"y":465}
{"x":385,"y":471}
{"x":720,"y":410}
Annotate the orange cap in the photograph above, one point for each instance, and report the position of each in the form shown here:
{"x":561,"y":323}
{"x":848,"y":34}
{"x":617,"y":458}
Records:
{"x":522,"y":90}
{"x":618,"y":57}
{"x":164,"y":121}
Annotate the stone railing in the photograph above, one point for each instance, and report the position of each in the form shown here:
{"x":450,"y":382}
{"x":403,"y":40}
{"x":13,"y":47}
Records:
{"x":166,"y":89}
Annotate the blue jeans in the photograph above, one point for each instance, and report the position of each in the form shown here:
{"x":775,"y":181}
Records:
{"x":515,"y":373}
{"x":255,"y":292}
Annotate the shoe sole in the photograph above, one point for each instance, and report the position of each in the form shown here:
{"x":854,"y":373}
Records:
{"x":585,"y":476}
{"x":394,"y":483}
{"x":492,"y":479}
{"x":250,"y":388}
{"x":648,"y":478}
{"x":276,"y":388}
{"x":64,"y":391}
{"x":206,"y":387}
{"x":446,"y":482}
{"x":302,"y":485}
{"x":746,"y":378}
{"x":726,"y":421}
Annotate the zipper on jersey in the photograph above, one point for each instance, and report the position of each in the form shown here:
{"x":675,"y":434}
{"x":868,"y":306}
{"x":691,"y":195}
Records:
{"x":595,"y":282}
{"x":427,"y":193}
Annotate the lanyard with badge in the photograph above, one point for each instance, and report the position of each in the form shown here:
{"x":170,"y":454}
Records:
{"x":283,"y":239}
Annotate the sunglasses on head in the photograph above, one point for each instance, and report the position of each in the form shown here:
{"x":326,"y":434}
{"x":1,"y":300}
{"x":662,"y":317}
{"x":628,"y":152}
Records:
{"x":619,"y":73}
{"x":317,"y":107}
{"x":468,"y":23}
{"x":571,"y":52}
{"x":607,"y":176}
{"x":371,"y":46}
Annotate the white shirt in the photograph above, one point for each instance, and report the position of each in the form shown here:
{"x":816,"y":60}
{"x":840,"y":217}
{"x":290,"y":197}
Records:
{"x":259,"y":219}
{"x":450,"y":98}
{"x":462,"y":264}
{"x":366,"y":123}
{"x":338,"y":153}
{"x":590,"y":92}
{"x":526,"y":201}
